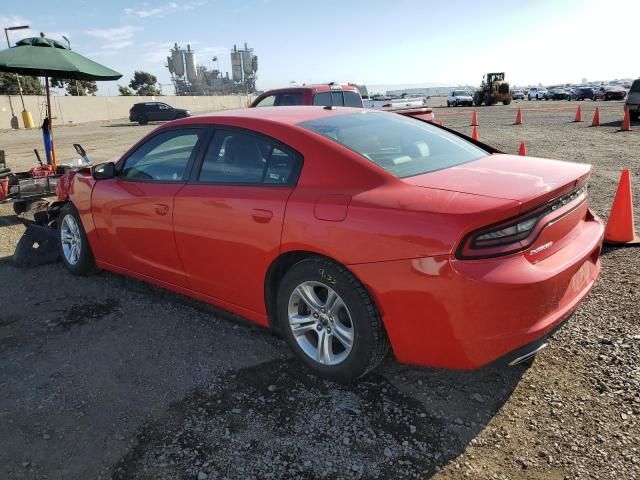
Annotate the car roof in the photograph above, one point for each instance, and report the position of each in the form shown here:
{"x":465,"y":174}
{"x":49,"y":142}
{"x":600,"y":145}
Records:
{"x":283,"y":115}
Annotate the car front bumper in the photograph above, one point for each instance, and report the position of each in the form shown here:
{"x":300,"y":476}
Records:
{"x":464,"y":314}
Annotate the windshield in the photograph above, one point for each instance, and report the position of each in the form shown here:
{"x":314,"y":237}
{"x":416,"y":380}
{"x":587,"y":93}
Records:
{"x":461,"y":93}
{"x":402,"y":146}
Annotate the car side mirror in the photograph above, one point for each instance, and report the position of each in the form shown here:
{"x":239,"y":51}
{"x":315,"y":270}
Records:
{"x":104,"y":171}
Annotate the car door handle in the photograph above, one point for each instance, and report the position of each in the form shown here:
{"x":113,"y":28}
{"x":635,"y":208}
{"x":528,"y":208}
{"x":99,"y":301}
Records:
{"x":161,"y":208}
{"x":261,"y":216}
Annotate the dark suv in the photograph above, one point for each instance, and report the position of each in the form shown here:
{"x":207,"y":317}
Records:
{"x":581,"y":93}
{"x":332,"y":94}
{"x":146,"y":112}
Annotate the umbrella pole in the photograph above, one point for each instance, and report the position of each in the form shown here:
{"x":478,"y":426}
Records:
{"x":53,"y":148}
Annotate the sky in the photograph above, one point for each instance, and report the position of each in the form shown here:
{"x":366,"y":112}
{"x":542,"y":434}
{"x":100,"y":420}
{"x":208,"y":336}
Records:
{"x":384,"y":44}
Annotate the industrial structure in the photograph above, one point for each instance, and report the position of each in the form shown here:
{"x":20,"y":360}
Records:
{"x":189,"y":78}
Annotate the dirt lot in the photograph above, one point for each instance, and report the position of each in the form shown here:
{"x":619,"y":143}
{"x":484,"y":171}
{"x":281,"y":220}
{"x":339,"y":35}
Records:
{"x":105,"y":377}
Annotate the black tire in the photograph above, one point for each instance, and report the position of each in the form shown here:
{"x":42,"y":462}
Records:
{"x":85,"y":265}
{"x":370,"y":344}
{"x":633,"y":116}
{"x":506,"y":102}
{"x":142,"y":119}
{"x":448,"y":103}
{"x":19,"y":207}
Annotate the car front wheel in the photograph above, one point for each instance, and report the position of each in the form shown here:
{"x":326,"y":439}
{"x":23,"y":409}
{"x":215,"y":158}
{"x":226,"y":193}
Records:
{"x":142,"y":119}
{"x":330,"y":321}
{"x":73,"y":244}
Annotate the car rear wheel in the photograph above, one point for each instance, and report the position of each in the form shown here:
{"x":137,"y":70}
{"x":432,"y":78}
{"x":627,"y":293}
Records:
{"x":142,"y":119}
{"x":330,"y":321}
{"x":634,"y":116}
{"x":74,"y":247}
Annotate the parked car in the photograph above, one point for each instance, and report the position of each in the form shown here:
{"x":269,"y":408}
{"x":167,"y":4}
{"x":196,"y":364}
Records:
{"x":275,"y":214}
{"x":326,"y":95}
{"x":146,"y":112}
{"x":517,"y":95}
{"x":459,"y":97}
{"x":633,"y":100}
{"x":581,"y":93}
{"x":537,"y":93}
{"x":556,"y":93}
{"x":609,"y":92}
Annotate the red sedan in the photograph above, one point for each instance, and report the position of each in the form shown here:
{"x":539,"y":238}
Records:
{"x":348,"y":230}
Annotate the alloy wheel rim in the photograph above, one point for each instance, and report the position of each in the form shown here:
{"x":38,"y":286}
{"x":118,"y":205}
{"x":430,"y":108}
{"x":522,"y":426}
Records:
{"x":321,"y":323}
{"x":71,"y":241}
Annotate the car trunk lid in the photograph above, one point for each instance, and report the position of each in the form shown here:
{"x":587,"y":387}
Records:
{"x":528,"y":180}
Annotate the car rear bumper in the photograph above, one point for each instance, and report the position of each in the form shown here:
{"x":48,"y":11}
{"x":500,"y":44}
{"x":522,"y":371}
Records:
{"x":464,"y":314}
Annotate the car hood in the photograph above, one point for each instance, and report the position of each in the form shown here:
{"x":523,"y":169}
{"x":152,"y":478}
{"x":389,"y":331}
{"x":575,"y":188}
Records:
{"x":528,"y":180}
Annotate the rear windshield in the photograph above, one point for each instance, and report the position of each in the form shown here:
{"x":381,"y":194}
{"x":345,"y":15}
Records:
{"x":402,"y":146}
{"x":636,"y":86}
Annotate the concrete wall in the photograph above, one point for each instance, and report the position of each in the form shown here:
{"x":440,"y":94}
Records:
{"x":71,"y":110}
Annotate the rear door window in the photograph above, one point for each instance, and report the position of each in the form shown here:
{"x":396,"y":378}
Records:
{"x":235,"y":157}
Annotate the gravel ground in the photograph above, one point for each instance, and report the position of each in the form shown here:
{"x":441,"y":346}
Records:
{"x":106,"y":377}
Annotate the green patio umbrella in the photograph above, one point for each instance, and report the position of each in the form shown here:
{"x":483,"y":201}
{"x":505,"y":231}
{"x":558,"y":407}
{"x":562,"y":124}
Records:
{"x":45,"y":57}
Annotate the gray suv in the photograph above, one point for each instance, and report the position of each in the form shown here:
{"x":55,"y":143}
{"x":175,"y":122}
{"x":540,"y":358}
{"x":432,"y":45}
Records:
{"x":633,"y":100}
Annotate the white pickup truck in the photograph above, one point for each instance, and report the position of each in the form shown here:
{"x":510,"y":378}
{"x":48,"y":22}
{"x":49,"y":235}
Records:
{"x":379,"y":102}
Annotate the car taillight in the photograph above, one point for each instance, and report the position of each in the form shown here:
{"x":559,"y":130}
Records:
{"x":516,"y":234}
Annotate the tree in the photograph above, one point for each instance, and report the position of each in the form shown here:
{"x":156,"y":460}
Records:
{"x":144,"y":84}
{"x":76,"y":87}
{"x":125,"y":91}
{"x":9,"y":85}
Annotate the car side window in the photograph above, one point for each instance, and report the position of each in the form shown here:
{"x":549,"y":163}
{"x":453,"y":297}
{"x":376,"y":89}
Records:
{"x":267,"y":101}
{"x":322,"y":99}
{"x":289,"y":99}
{"x":242,"y":158}
{"x":164,"y":158}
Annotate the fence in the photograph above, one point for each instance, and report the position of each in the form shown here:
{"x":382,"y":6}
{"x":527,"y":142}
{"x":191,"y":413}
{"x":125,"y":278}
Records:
{"x":73,"y":110}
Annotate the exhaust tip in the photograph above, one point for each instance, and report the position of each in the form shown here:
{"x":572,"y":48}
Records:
{"x":526,"y":356}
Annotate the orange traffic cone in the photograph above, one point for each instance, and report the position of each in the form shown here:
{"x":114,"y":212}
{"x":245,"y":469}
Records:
{"x":474,"y":133}
{"x":519,"y":117}
{"x":596,"y":118}
{"x":626,"y":121}
{"x":620,"y":227}
{"x":523,"y":150}
{"x":4,"y":188}
{"x":578,"y":115}
{"x":474,"y":119}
